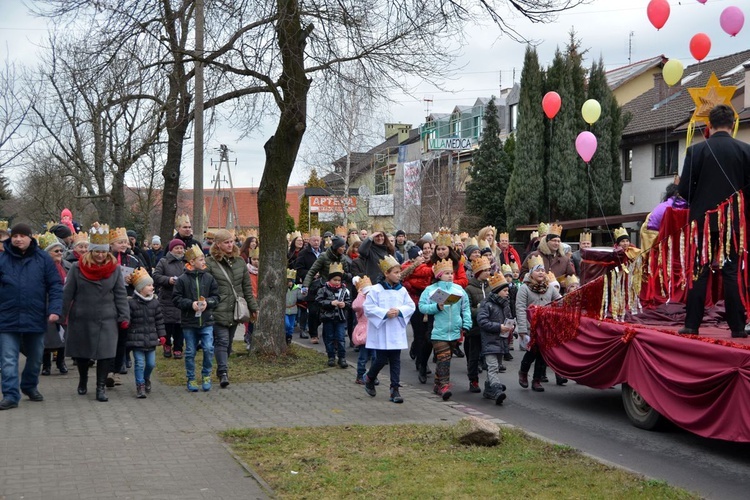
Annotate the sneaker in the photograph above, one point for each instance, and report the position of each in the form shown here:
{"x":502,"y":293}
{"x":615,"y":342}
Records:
{"x":177,"y":354}
{"x":140,"y":391}
{"x":223,"y":380}
{"x":343,"y":363}
{"x":457,"y":352}
{"x":443,"y":391}
{"x":395,"y":396}
{"x":501,"y":368}
{"x":331,"y":362}
{"x":147,"y":386}
{"x":117,"y":379}
{"x":167,"y":351}
{"x":303,"y":335}
{"x":192,"y":386}
{"x":369,"y":385}
{"x":359,"y":381}
{"x":206,"y":384}
{"x":500,"y":398}
{"x":474,"y":386}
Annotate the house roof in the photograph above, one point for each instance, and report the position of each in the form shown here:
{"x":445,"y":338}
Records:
{"x":247,"y":204}
{"x":661,"y":109}
{"x":619,"y":76}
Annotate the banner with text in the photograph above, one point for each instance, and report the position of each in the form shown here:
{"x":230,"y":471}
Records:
{"x":333,"y":204}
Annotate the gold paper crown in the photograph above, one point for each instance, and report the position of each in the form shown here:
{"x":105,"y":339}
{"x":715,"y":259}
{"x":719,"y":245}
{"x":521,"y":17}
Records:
{"x":534,"y":261}
{"x":82,"y":237}
{"x":621,"y":231}
{"x":335,"y":267}
{"x":193,"y":252}
{"x":353,"y":238}
{"x":464,"y":236}
{"x":352,"y":225}
{"x":555,"y":229}
{"x":551,"y":277}
{"x":457,"y":240}
{"x":444,"y":238}
{"x":341,"y":231}
{"x":504,"y":236}
{"x":138,"y":275}
{"x":99,"y":234}
{"x":363,"y":282}
{"x":252,"y":232}
{"x":543,"y":229}
{"x":480,"y":264}
{"x":291,"y":274}
{"x":315,"y":232}
{"x":514,"y":267}
{"x":496,"y":281}
{"x":572,"y":280}
{"x":3,"y":225}
{"x":378,"y":227}
{"x":295,"y":234}
{"x":306,"y":236}
{"x":585,"y":236}
{"x":47,"y":239}
{"x":387,"y":263}
{"x":210,"y":235}
{"x":472,"y":241}
{"x":506,"y":269}
{"x":182,"y":219}
{"x":255,"y":253}
{"x":484,"y":244}
{"x":534,"y":234}
{"x":442,"y":266}
{"x":119,"y":233}
{"x":50,"y":224}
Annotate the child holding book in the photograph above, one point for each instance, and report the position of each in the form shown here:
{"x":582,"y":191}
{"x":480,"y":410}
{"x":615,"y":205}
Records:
{"x":449,"y":305}
{"x":388,"y":308}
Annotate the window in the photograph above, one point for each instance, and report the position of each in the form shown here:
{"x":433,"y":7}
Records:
{"x":456,"y":125}
{"x":627,"y":165}
{"x":665,"y":159}
{"x":384,"y":179}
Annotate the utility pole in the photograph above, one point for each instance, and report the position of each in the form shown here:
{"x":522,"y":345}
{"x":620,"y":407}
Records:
{"x":198,"y":226}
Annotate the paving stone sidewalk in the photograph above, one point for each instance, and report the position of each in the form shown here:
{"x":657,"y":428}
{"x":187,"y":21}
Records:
{"x":167,"y":446}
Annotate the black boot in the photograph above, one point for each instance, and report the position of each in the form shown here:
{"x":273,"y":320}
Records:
{"x":83,"y":376}
{"x":46,"y":363}
{"x":101,"y":380}
{"x":61,"y":361}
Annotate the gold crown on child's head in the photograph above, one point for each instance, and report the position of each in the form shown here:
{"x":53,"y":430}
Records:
{"x":444,"y":237}
{"x":116,"y":234}
{"x":480,"y":264}
{"x":387,"y":263}
{"x":137,"y":275}
{"x":254,"y":253}
{"x":621,"y":231}
{"x":363,"y":282}
{"x":336,"y":268}
{"x":535,"y":261}
{"x":193,"y":252}
{"x":506,"y":269}
{"x":291,"y":274}
{"x":3,"y":225}
{"x":442,"y":266}
{"x":496,"y":281}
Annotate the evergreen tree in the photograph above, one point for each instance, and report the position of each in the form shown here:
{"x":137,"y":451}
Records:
{"x":510,"y":149}
{"x":523,"y":202}
{"x":306,"y":222}
{"x":566,"y":178}
{"x":618,"y":125}
{"x":604,"y":190}
{"x":485,"y":191}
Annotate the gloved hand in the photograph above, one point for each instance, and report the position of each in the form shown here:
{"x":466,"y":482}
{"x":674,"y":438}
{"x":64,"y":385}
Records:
{"x":162,"y":341}
{"x":124,"y":325}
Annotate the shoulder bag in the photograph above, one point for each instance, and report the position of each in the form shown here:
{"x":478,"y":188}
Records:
{"x":241,"y":311}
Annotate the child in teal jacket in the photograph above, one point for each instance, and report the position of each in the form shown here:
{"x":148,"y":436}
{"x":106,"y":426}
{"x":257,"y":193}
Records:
{"x":451,"y":317}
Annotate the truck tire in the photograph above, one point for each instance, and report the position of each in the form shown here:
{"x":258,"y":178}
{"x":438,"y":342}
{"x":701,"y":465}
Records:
{"x":638,"y":410}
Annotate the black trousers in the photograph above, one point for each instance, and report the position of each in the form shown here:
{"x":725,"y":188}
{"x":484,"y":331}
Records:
{"x":422,"y":343}
{"x":472,"y":349}
{"x":175,"y":338}
{"x":533,"y":356}
{"x":313,"y":318}
{"x":696,"y":298}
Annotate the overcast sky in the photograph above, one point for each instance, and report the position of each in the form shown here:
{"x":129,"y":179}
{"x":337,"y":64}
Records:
{"x":490,"y":62}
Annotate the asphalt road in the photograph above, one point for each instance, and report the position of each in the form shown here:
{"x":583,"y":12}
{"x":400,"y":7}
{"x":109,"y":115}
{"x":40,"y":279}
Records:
{"x":594,"y":422}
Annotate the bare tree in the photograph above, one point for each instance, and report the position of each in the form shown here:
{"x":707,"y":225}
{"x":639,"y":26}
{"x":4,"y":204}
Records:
{"x":443,"y":182}
{"x":262,"y":56}
{"x":14,"y":140}
{"x":144,"y":192}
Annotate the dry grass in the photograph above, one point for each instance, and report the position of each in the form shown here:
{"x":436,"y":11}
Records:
{"x":425,"y":461}
{"x":247,"y":367}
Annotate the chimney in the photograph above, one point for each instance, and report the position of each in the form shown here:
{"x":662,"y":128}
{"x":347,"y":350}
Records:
{"x":402,"y":129}
{"x":661,"y":87}
{"x":746,"y":100}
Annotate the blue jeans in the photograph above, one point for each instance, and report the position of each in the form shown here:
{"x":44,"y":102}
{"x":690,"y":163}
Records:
{"x":144,"y":363}
{"x":10,"y":348}
{"x":393,"y":357}
{"x":289,"y":320}
{"x":206,"y":336}
{"x":365,"y":355}
{"x":334,"y":337}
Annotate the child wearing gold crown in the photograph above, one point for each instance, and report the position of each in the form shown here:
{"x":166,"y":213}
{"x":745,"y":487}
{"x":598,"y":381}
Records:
{"x":359,"y":335}
{"x":145,"y":329}
{"x":496,"y":326}
{"x":335,"y":301}
{"x":293,"y":295}
{"x":388,"y":308}
{"x":451,"y":321}
{"x":478,"y":290}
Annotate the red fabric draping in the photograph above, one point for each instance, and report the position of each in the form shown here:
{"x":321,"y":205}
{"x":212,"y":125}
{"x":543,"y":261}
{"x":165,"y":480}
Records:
{"x":702,"y":386}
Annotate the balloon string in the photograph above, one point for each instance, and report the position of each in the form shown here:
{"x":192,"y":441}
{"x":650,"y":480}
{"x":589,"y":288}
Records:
{"x":598,"y":201}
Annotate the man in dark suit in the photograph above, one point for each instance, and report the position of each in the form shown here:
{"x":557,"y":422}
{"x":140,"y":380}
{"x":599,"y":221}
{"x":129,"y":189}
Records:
{"x":713,"y":171}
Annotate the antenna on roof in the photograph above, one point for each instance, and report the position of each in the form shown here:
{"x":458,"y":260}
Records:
{"x":630,"y":47}
{"x":427,"y":104}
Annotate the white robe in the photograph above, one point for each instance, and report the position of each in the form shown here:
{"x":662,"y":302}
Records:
{"x":383,"y":332}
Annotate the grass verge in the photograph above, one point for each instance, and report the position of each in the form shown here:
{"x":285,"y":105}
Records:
{"x":425,"y":461}
{"x":247,"y":367}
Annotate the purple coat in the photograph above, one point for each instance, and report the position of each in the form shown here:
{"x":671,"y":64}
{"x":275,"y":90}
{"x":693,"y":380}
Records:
{"x":657,"y":214}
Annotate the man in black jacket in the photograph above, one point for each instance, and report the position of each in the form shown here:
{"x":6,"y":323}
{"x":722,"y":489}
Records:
{"x":713,"y":171}
{"x":305,"y":260}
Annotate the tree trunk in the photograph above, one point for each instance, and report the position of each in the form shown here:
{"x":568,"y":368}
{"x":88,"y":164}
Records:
{"x":281,"y":152}
{"x":117,"y":199}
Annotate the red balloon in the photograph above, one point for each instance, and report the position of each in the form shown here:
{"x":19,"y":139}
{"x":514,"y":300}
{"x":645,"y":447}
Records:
{"x":700,"y":45}
{"x":658,"y":12}
{"x":551,"y":104}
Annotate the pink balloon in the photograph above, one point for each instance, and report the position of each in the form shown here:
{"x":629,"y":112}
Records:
{"x":732,"y":19}
{"x":586,"y":145}
{"x":702,"y":1}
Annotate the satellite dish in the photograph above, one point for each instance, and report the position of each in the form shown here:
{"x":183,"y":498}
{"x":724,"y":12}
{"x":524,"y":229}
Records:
{"x":363,"y":191}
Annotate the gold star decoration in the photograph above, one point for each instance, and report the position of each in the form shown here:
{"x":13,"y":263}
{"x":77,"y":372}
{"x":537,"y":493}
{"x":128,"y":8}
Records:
{"x":706,"y":98}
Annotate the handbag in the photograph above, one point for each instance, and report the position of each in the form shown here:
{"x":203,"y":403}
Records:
{"x":241,"y":311}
